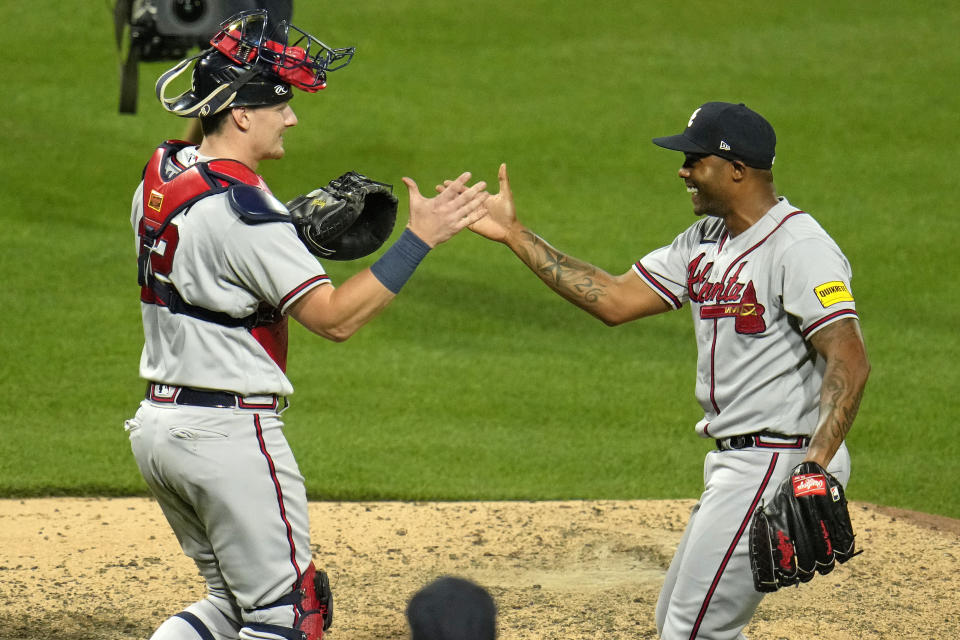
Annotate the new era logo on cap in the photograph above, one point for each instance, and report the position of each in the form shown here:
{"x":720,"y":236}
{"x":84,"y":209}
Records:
{"x":728,"y":130}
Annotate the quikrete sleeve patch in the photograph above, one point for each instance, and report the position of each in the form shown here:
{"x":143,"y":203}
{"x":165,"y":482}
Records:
{"x":833,"y":292}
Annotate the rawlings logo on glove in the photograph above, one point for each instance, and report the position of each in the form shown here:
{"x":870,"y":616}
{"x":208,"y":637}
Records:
{"x":804,"y":530}
{"x":809,"y":485}
{"x":348,"y":219}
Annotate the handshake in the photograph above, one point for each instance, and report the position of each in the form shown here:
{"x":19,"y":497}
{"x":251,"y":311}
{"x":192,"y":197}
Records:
{"x":352,"y":216}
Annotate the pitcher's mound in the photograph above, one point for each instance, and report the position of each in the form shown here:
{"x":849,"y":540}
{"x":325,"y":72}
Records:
{"x":110,"y":569}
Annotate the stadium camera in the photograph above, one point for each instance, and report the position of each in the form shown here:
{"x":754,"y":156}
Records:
{"x":155,"y":30}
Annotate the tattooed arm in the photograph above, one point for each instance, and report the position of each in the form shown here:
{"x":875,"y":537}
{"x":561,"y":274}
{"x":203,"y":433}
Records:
{"x":612,"y":299}
{"x":841,"y":344}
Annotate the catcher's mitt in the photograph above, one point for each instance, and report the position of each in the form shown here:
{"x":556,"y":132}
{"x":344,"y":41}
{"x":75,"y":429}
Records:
{"x":348,"y":219}
{"x":805,"y":529}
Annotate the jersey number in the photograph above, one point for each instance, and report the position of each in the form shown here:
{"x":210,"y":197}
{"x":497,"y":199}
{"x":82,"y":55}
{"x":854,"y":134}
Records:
{"x":161,"y":257}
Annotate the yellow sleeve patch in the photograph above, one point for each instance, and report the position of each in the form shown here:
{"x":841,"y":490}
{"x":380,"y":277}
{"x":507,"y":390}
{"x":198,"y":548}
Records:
{"x":833,"y":292}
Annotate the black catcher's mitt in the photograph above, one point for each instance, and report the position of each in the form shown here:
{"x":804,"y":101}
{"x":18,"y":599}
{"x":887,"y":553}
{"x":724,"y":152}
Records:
{"x":348,"y":219}
{"x":804,"y":530}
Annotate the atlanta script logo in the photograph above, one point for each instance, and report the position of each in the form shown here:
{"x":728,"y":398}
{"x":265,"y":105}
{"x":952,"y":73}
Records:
{"x":731,"y":298}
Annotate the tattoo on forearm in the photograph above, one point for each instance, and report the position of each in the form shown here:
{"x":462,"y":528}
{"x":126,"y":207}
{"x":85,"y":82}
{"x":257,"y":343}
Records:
{"x":839,"y":403}
{"x":843,"y":383}
{"x":573,"y":279}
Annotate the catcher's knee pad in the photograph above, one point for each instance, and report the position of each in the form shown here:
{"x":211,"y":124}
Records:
{"x":312,"y":610}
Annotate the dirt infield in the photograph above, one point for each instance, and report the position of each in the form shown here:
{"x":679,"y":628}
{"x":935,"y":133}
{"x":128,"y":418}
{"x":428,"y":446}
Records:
{"x":110,"y":569}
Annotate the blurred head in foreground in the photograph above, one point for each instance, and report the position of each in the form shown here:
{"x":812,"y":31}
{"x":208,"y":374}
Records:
{"x":452,"y":608}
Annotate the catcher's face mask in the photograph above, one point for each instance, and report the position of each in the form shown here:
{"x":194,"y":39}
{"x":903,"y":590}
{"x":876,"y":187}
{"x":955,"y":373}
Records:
{"x":245,"y":67}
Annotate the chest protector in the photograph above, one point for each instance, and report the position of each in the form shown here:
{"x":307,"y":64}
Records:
{"x":169,"y":189}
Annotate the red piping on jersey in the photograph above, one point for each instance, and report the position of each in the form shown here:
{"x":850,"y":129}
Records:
{"x":273,"y":337}
{"x":723,"y":241}
{"x":322,"y":279}
{"x":674,"y":300}
{"x":713,"y":347}
{"x":279,"y":490}
{"x":713,"y":368}
{"x":765,"y":238}
{"x":175,"y":146}
{"x":799,"y":444}
{"x":819,"y":323}
{"x":733,"y":545}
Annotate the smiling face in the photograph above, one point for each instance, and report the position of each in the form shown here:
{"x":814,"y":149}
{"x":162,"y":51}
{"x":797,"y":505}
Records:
{"x":708,"y":181}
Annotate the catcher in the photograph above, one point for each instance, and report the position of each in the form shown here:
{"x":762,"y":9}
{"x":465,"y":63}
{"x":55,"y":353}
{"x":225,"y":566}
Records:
{"x":222,"y":264}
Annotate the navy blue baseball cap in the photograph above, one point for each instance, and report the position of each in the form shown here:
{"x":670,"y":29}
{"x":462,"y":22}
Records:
{"x":452,"y":608}
{"x":728,"y":130}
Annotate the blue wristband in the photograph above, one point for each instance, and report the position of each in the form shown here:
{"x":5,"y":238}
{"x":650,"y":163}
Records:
{"x":395,"y":267}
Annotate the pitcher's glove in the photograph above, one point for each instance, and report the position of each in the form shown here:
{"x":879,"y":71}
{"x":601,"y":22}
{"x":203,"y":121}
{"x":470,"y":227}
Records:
{"x":805,"y":529}
{"x":348,"y":219}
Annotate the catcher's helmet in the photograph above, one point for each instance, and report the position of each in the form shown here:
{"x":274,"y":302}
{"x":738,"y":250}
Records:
{"x":244,"y":67}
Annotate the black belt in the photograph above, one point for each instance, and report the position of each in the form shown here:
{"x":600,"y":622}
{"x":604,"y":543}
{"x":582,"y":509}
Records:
{"x":763,"y":440}
{"x":169,"y":394}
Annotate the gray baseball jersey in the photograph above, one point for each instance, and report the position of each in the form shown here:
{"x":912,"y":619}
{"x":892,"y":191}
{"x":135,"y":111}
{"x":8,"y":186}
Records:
{"x":223,"y":474}
{"x":755,"y":299}
{"x":232,"y":267}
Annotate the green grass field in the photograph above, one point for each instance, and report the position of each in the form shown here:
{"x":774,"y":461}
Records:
{"x":478,"y":383}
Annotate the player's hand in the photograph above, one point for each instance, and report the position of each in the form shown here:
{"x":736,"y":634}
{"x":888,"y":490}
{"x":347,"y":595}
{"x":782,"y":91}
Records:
{"x":501,"y":219}
{"x":456,"y":206}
